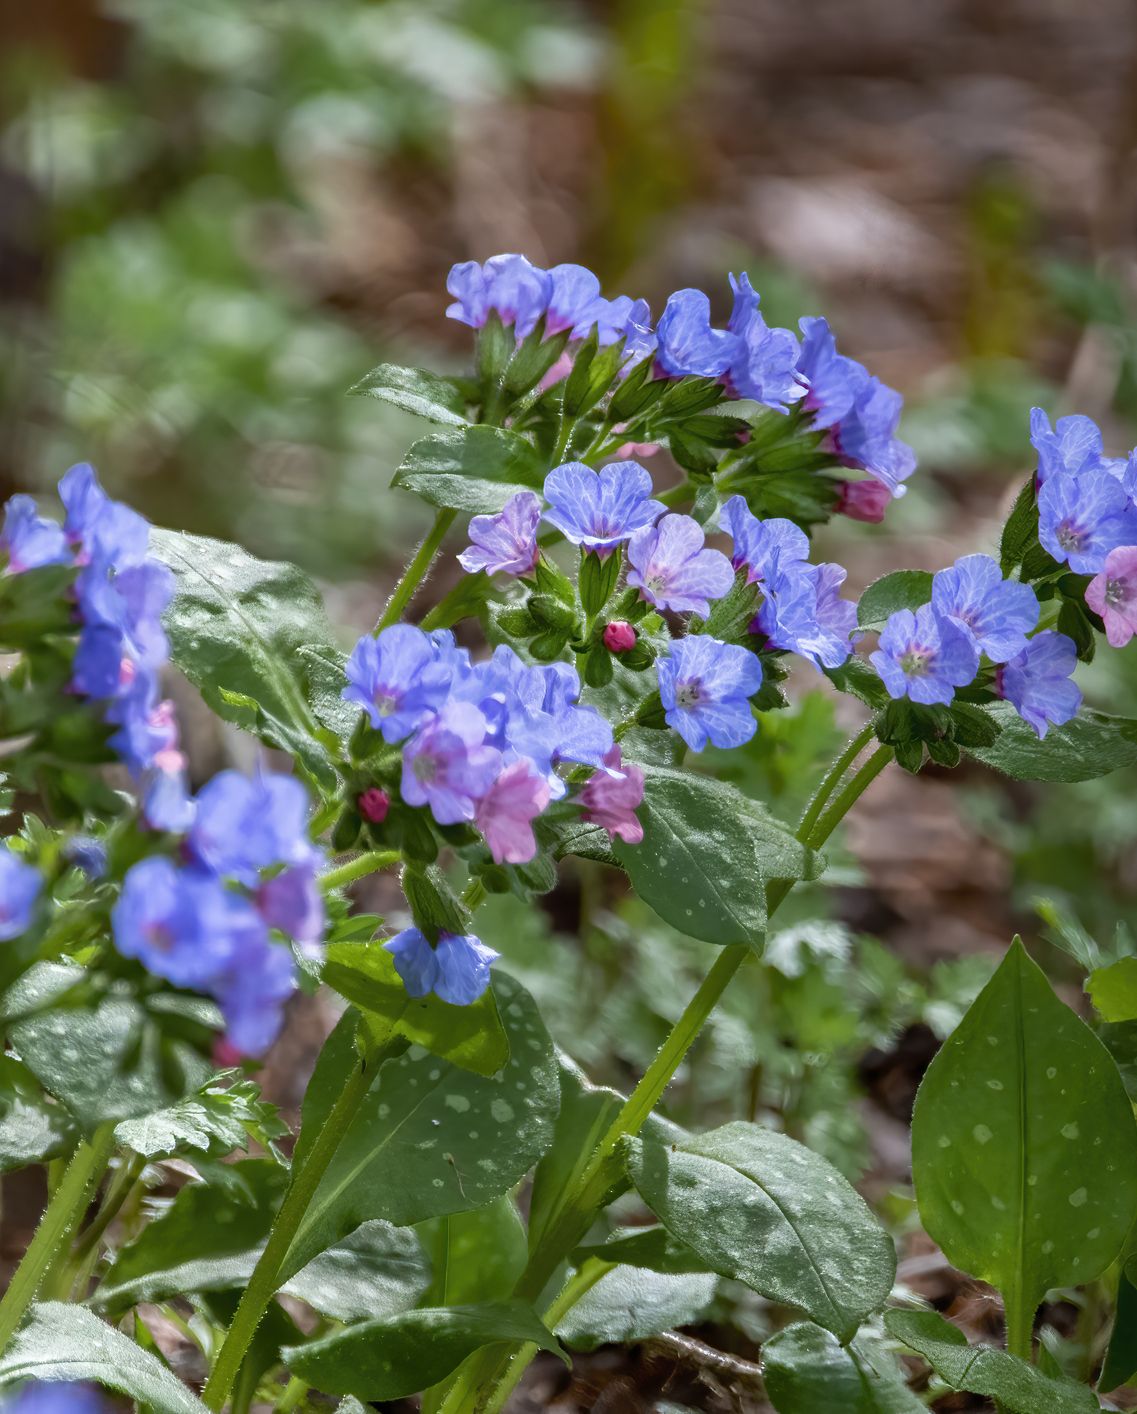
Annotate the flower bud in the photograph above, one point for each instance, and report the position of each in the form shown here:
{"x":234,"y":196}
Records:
{"x":863,"y":500}
{"x":374,"y":804}
{"x":619,"y":636}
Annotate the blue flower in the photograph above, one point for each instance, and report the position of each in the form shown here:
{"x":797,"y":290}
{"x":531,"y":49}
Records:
{"x":457,"y":970}
{"x":397,"y":678}
{"x":859,"y":412}
{"x":505,"y":543}
{"x":765,"y":363}
{"x":575,"y":301}
{"x":30,"y":541}
{"x":243,"y":825}
{"x":507,"y":285}
{"x":672,"y":569}
{"x":1081,"y":519}
{"x":20,"y":887}
{"x":705,"y":687}
{"x":253,"y":993}
{"x":762,"y":547}
{"x":56,"y":1397}
{"x":924,"y":657}
{"x":1038,"y":682}
{"x":293,"y":903}
{"x":97,"y":526}
{"x":688,"y":345}
{"x":1071,"y":447}
{"x":88,"y":854}
{"x":996,"y":613}
{"x":600,"y":510}
{"x":448,"y":766}
{"x":803,"y":612}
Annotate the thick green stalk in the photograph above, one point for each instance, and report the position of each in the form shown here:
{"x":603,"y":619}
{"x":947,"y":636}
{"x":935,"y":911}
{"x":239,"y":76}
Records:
{"x":486,"y":1382}
{"x":417,"y":570}
{"x":265,"y":1278}
{"x":1020,"y":1324}
{"x":832,"y":779}
{"x":63,"y":1211}
{"x":359,"y":868}
{"x":86,"y":1253}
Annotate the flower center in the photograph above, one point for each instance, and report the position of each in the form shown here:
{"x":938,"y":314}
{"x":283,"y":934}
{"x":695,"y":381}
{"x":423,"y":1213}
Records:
{"x":915,"y":662}
{"x":1069,"y":536}
{"x":687,"y":694}
{"x":656,"y":580}
{"x":159,"y":937}
{"x":1116,"y":592}
{"x":385,"y":702}
{"x":426,"y":769}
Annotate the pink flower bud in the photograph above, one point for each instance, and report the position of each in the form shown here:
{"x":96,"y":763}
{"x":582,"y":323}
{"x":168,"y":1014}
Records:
{"x":619,"y":637}
{"x":863,"y":500}
{"x":374,"y":804}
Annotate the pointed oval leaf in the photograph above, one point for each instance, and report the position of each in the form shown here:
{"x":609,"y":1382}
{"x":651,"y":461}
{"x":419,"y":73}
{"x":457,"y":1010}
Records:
{"x":632,"y":1303}
{"x":767,"y":1211}
{"x":32,"y":1129}
{"x":1092,"y":744}
{"x":401,"y":1355}
{"x":807,"y":1369}
{"x":63,"y":1342}
{"x":1024,"y":1148}
{"x":415,"y":390}
{"x":902,"y":589}
{"x":475,"y":469}
{"x":476,"y":1255}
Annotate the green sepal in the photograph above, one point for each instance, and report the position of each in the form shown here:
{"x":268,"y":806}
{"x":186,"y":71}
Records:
{"x":435,"y":907}
{"x":552,"y":580}
{"x":597,"y":580}
{"x":598,"y":668}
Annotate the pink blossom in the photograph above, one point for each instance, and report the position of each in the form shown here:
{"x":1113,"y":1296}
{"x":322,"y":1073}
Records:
{"x":863,"y":500}
{"x":373,"y":805}
{"x":619,"y":636}
{"x":505,"y":813}
{"x":1113,"y":595}
{"x":610,"y":798}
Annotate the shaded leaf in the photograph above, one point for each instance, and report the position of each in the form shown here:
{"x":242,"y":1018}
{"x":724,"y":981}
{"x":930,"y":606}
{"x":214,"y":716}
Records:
{"x":651,"y":1247}
{"x":1113,"y":990}
{"x":475,"y":1256}
{"x":473,"y":469}
{"x":1092,"y":744}
{"x":415,"y":390}
{"x":902,"y":589}
{"x":632,"y":1303}
{"x":1021,"y":529}
{"x":807,"y":1369}
{"x":32,"y":1129}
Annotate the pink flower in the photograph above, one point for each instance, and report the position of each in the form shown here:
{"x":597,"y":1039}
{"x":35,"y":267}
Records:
{"x":610,"y":798}
{"x":374,"y":804}
{"x":619,"y":636}
{"x":1113,"y":595}
{"x":505,"y":813}
{"x":863,"y":500}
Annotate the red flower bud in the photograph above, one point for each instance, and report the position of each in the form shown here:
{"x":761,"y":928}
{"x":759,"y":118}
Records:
{"x":619,"y":637}
{"x":863,"y":500}
{"x":374,"y":804}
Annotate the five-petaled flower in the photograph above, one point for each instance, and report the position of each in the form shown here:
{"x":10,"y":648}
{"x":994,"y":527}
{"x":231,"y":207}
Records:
{"x":1113,"y":595}
{"x":924,"y":656}
{"x":705,"y":687}
{"x":1039,"y":681}
{"x":505,"y":543}
{"x":672,"y":569}
{"x":600,"y":510}
{"x":996,"y":613}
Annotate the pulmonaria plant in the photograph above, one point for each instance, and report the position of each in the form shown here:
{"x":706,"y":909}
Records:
{"x":606,"y":625}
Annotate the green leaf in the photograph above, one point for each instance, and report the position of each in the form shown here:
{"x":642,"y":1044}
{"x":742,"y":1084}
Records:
{"x":471,"y":469}
{"x":475,"y":1256}
{"x":400,"y":1355}
{"x":472,"y":1037}
{"x":415,"y":390}
{"x":1024,"y":1148}
{"x":1019,"y":1387}
{"x":859,"y":679}
{"x":209,"y":1239}
{"x":1021,"y":529}
{"x":765,"y":1210}
{"x":1121,"y":1358}
{"x":707,"y":854}
{"x":236,"y":626}
{"x":1092,"y":744}
{"x":430,"y":1138}
{"x":214,"y":1121}
{"x":32,"y":1129}
{"x":902,"y":589}
{"x":807,"y":1369}
{"x":652,"y":1247}
{"x":64,"y":1342}
{"x":632,"y":1303}
{"x":1113,"y":990}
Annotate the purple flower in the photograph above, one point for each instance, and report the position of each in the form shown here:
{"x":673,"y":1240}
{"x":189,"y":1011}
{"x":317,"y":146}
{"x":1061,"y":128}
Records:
{"x":167,"y":804}
{"x":575,"y":302}
{"x":600,"y":510}
{"x":764,"y":367}
{"x":507,"y":285}
{"x":672,"y":569}
{"x":762,"y":547}
{"x":29,"y":540}
{"x":687,"y":345}
{"x":292,"y":903}
{"x":1038,"y":682}
{"x":20,"y":887}
{"x":611,"y":797}
{"x":507,"y":542}
{"x":181,"y":924}
{"x":803,"y":612}
{"x":506,"y":812}
{"x":863,"y":500}
{"x":252,"y":995}
{"x":859,"y":412}
{"x":447,"y":765}
{"x":1081,"y":520}
{"x":640,"y":340}
{"x":1113,"y":595}
{"x":56,"y":1397}
{"x":996,"y":613}
{"x":244,"y":824}
{"x":1072,"y":447}
{"x":98,"y":527}
{"x":543,"y":722}
{"x":88,"y":854}
{"x":705,"y":687}
{"x":924,"y":657}
{"x":457,"y":970}
{"x":398,"y":678}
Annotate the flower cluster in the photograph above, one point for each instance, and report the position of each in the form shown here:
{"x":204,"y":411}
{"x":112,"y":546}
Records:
{"x":246,"y":868}
{"x":456,"y":969}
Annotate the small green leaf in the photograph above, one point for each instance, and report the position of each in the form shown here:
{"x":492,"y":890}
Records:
{"x":632,"y":1303}
{"x":214,"y":1121}
{"x":1092,"y":745}
{"x":1021,"y":529}
{"x":1113,"y":990}
{"x":651,"y":1247}
{"x":470,"y":1036}
{"x":765,"y":1210}
{"x":1019,"y":1387}
{"x":807,"y":1370}
{"x":397,"y":1356}
{"x":473,"y":469}
{"x":707,"y":854}
{"x":1024,"y":1148}
{"x":32,"y":1129}
{"x":415,"y":390}
{"x":64,"y":1342}
{"x":902,"y":589}
{"x":475,"y":1256}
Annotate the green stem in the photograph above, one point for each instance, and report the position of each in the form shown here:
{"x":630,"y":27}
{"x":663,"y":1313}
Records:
{"x":87,"y":1247}
{"x":58,"y":1222}
{"x":359,"y":868}
{"x":571,"y":1219}
{"x":832,"y":779}
{"x":294,"y":1392}
{"x":265,"y":1278}
{"x":1020,"y":1324}
{"x":417,"y":570}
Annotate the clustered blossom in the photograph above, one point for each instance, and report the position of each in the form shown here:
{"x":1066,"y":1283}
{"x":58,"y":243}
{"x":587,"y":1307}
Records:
{"x":20,"y":887}
{"x":705,"y":687}
{"x":247,"y":868}
{"x":600,"y":510}
{"x":505,"y":543}
{"x":456,"y":969}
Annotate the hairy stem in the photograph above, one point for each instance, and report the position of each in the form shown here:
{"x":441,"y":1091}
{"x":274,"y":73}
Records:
{"x":417,"y":570}
{"x":832,"y":779}
{"x":87,"y":1246}
{"x":56,"y":1226}
{"x":358,"y":868}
